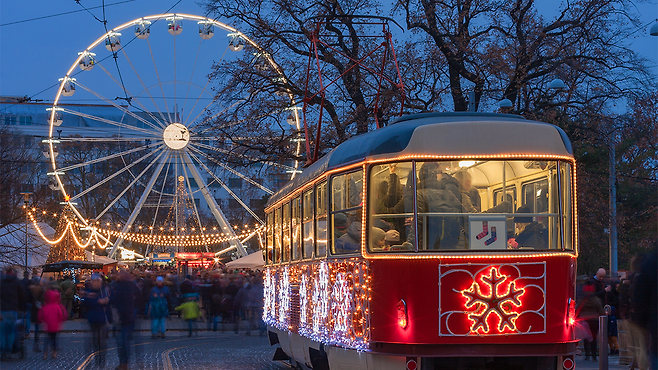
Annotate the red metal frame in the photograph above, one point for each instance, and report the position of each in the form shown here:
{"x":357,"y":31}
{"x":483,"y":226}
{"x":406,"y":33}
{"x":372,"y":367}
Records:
{"x":317,"y":38}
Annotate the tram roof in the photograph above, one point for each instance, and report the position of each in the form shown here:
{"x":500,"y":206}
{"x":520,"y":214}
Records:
{"x":470,"y":134}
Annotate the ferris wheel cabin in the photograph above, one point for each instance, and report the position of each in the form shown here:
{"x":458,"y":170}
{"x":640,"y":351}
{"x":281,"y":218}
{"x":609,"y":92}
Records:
{"x":442,"y":241}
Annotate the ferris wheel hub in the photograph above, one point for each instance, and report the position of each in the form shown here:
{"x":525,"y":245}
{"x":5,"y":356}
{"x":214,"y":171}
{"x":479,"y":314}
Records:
{"x":176,"y":136}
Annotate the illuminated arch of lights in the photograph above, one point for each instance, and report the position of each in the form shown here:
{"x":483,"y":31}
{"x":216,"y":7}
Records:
{"x":101,"y":236}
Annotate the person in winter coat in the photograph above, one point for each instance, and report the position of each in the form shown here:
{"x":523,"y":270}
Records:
{"x":255,"y":305}
{"x":589,"y":310}
{"x":68,"y":293}
{"x":190,"y":312}
{"x":96,"y":300}
{"x":12,"y":300}
{"x":37,"y":290}
{"x":351,"y":240}
{"x":158,"y":310}
{"x":216,"y":297}
{"x":52,"y":315}
{"x":530,"y":234}
{"x":124,"y":297}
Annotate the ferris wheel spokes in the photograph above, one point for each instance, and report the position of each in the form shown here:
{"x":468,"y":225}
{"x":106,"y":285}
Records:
{"x":163,"y":157}
{"x":228,"y":190}
{"x":106,"y":158}
{"x":214,"y":208}
{"x":116,"y":199}
{"x":148,"y":92}
{"x":110,"y":122}
{"x":122,"y":109}
{"x":190,"y":193}
{"x":243,"y":156}
{"x":237,"y":173}
{"x":157,"y":74}
{"x":117,"y":173}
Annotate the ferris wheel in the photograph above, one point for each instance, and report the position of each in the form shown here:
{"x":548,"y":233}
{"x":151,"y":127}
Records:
{"x":133,"y":140}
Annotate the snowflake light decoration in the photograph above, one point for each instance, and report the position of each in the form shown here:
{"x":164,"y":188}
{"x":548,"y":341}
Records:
{"x":304,"y":304}
{"x":493,"y":294}
{"x":284,"y":297}
{"x":269,"y":297}
{"x":341,"y":304}
{"x":321,"y":297}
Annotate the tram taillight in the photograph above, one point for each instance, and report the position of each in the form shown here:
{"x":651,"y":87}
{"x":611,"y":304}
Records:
{"x":403,"y":319}
{"x":571,"y":313}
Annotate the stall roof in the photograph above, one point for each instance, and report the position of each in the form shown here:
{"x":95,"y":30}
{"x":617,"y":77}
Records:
{"x":62,"y":265}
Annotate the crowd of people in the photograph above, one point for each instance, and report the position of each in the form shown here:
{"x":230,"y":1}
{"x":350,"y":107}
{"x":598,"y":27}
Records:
{"x":629,"y":303}
{"x":112,"y":303}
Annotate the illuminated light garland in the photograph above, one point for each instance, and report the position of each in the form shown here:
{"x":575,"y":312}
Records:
{"x":498,"y":302}
{"x":341,"y":304}
{"x":333,"y":301}
{"x":321,"y":299}
{"x":156,"y":240}
{"x":284,"y":298}
{"x":304,"y":305}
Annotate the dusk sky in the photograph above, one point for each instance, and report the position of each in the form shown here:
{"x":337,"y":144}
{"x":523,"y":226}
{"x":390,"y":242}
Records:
{"x":35,"y":53}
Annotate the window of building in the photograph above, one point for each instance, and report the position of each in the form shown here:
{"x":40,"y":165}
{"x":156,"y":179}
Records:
{"x":235,"y":183}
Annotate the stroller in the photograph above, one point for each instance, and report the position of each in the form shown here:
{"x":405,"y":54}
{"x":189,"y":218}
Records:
{"x":19,"y":338}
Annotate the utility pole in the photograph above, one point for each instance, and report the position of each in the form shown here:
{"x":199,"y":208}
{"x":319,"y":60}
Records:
{"x":26,"y":199}
{"x":613,"y":211}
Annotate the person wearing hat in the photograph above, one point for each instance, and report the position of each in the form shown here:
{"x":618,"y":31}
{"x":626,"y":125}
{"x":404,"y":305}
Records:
{"x":377,"y":239}
{"x":159,"y":300}
{"x":529,"y":233}
{"x":340,"y":225}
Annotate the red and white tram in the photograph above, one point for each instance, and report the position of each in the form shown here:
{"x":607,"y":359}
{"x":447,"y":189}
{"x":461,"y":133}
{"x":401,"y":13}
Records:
{"x":442,"y":241}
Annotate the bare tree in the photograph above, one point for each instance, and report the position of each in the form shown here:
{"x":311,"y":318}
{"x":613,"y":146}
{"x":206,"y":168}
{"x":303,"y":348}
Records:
{"x":285,"y":30}
{"x":508,"y":50}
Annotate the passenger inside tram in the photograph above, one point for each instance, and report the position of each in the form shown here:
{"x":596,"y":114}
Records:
{"x":443,"y":199}
{"x":529,"y":234}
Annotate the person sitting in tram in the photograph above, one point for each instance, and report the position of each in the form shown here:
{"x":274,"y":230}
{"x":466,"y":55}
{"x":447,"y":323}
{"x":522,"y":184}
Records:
{"x":530,"y":234}
{"x":377,"y":239}
{"x":436,"y":192}
{"x":350,"y":242}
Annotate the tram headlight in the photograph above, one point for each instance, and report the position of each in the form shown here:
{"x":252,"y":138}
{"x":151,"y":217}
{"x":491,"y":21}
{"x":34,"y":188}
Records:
{"x":571,"y":312}
{"x":403,"y":318}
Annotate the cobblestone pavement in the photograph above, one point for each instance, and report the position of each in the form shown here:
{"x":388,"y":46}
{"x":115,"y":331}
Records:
{"x":207,"y":350}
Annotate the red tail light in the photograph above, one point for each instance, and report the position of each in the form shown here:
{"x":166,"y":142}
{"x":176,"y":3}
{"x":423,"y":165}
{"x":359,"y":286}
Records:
{"x":571,"y":313}
{"x":402,"y":314}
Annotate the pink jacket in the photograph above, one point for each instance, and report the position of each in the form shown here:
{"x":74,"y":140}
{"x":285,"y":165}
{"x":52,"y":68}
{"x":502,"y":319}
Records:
{"x":53,"y":313}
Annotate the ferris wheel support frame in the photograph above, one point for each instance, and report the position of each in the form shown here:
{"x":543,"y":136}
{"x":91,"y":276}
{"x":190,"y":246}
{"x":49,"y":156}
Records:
{"x":140,"y":203}
{"x":214,"y":208}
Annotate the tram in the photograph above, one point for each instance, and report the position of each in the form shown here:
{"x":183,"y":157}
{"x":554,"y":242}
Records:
{"x":441,"y":241}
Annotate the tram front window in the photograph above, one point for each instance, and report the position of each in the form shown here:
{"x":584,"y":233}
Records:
{"x":459,"y":205}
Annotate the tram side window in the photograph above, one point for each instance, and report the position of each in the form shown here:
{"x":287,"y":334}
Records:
{"x":267,"y":252}
{"x":392,"y":207}
{"x":296,"y":232}
{"x":567,"y":197}
{"x":321,"y":219}
{"x":285,"y":250}
{"x":307,"y":224}
{"x":276,"y":255}
{"x":346,"y":207}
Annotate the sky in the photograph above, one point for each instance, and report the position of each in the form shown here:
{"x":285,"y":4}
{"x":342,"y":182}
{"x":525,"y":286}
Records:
{"x":34,"y":54}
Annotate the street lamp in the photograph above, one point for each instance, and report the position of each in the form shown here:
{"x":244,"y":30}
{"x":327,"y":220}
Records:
{"x":26,"y":199}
